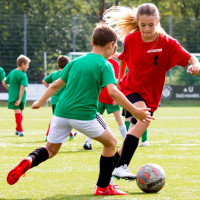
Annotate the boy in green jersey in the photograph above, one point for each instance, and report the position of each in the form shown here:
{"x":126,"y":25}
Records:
{"x":84,"y":78}
{"x":62,"y":61}
{"x":16,"y":82}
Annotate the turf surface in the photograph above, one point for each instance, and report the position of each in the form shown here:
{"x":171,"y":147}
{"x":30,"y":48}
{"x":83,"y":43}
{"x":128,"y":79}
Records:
{"x":174,"y":144}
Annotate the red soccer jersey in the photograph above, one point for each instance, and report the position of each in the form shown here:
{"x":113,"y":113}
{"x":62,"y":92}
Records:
{"x":148,"y":64}
{"x":104,"y":97}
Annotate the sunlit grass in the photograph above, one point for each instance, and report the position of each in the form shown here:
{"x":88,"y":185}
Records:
{"x":174,"y":144}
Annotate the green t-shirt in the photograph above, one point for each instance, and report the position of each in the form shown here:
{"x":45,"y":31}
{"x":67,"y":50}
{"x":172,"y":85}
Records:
{"x":15,"y":79}
{"x":2,"y":74}
{"x":50,"y":79}
{"x":84,"y":78}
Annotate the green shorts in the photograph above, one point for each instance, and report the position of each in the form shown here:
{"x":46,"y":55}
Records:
{"x":109,"y":107}
{"x":11,"y":105}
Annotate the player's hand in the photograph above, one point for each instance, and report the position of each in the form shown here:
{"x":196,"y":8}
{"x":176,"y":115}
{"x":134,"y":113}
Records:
{"x":17,"y":103}
{"x":194,"y":70}
{"x":36,"y":105}
{"x":114,"y":103}
{"x":143,"y":114}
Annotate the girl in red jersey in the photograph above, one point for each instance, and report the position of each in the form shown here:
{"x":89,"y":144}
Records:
{"x":149,"y":54}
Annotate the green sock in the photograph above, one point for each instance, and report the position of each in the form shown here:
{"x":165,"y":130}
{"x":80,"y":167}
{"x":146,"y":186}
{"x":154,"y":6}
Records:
{"x":144,"y":136}
{"x":127,"y":124}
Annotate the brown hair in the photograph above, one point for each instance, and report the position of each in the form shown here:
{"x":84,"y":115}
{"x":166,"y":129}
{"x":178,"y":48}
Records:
{"x":124,"y":19}
{"x":103,"y":34}
{"x":62,"y":61}
{"x":22,"y":59}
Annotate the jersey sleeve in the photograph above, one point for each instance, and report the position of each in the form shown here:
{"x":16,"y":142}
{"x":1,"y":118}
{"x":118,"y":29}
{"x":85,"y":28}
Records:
{"x":108,"y":75}
{"x":48,"y":79}
{"x":179,"y":55}
{"x":24,"y":81}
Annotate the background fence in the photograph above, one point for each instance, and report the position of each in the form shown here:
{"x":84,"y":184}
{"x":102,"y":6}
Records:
{"x":23,"y":34}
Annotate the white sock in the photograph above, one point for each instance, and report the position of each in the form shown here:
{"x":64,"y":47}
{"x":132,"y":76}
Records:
{"x":123,"y":131}
{"x":88,"y":140}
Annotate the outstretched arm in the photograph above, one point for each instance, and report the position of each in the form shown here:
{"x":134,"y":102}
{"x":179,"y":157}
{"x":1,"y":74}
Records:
{"x":140,"y":113}
{"x":51,"y":90}
{"x":45,"y":83}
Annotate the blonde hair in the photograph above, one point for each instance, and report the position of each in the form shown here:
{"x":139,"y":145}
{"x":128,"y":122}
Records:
{"x":22,"y":59}
{"x":124,"y":19}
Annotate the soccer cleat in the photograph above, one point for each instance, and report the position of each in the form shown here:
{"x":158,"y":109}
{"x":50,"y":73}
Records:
{"x":144,"y":144}
{"x":110,"y":190}
{"x":87,"y":146}
{"x":113,"y":184}
{"x":21,"y":134}
{"x":16,"y":132}
{"x":72,"y":135}
{"x":122,"y":172}
{"x":18,"y":171}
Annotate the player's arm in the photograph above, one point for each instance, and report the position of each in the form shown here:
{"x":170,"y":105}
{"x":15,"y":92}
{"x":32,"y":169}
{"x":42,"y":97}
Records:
{"x":194,"y":67}
{"x":140,"y":113}
{"x":21,"y":92}
{"x":51,"y":90}
{"x":45,"y":83}
{"x":122,"y":70}
{"x":4,"y":84}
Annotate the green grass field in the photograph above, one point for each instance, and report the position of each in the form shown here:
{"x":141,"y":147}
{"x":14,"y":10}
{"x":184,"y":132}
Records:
{"x":174,"y":144}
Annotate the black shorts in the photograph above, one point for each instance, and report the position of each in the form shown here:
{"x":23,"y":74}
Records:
{"x":133,"y":98}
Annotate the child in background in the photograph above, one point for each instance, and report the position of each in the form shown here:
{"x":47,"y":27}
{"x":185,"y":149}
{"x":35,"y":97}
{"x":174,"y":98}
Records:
{"x":107,"y":103}
{"x":16,"y":82}
{"x":62,"y":61}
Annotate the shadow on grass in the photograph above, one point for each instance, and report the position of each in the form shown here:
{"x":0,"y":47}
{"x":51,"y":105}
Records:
{"x":93,"y":197}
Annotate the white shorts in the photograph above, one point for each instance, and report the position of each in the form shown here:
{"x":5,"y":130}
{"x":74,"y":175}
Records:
{"x":60,"y":128}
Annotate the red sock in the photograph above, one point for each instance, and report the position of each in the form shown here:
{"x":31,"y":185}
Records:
{"x":18,"y":119}
{"x":70,"y":134}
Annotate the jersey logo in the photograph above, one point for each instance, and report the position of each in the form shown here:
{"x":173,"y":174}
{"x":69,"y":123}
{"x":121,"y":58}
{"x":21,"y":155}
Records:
{"x":154,"y":50}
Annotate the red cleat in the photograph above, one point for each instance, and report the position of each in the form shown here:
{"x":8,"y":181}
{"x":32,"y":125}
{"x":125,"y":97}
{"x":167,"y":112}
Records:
{"x":18,"y":170}
{"x":110,"y":190}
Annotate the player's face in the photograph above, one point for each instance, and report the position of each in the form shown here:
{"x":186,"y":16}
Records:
{"x":25,"y":66}
{"x":147,"y":25}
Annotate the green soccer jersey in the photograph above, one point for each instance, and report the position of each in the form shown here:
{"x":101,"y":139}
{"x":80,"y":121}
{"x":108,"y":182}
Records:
{"x":2,"y":74}
{"x":50,"y":79}
{"x":84,"y":78}
{"x":15,"y":79}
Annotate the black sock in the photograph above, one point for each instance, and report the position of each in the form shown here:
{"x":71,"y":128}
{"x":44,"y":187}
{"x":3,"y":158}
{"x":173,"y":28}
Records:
{"x":128,"y":150}
{"x":39,"y":155}
{"x":116,"y":159}
{"x":106,"y":166}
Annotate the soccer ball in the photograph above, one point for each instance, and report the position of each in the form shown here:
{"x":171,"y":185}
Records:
{"x":150,"y":178}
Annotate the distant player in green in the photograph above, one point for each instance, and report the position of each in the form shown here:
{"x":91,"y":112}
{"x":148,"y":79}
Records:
{"x":2,"y":77}
{"x":84,"y":78}
{"x":16,"y":82}
{"x":62,"y":61}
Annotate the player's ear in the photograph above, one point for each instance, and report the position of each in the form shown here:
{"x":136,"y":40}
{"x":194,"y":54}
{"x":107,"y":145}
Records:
{"x":92,"y":42}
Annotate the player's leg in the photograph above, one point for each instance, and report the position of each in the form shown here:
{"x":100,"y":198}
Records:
{"x":59,"y":130}
{"x":144,"y":140}
{"x":106,"y":165}
{"x":88,"y":144}
{"x":121,"y":125}
{"x":18,"y":120}
{"x":98,"y":130}
{"x":127,"y":150}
